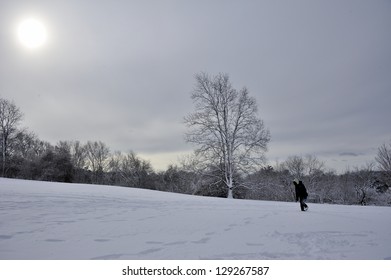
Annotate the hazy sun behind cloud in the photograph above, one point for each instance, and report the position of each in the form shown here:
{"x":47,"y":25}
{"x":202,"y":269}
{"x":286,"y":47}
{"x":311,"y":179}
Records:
{"x":32,"y":33}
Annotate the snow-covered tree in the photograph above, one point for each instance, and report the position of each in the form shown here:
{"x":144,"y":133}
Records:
{"x":226,"y":128}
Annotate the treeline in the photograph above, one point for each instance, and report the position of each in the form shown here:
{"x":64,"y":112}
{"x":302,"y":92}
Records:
{"x":361,"y":186}
{"x":74,"y":162}
{"x":30,"y":158}
{"x":25,"y":156}
{"x":93,"y":163}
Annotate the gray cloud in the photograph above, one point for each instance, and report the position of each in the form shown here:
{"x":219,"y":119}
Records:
{"x":349,"y":154}
{"x":122,"y":72}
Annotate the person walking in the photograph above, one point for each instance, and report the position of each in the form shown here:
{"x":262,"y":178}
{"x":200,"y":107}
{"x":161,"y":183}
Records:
{"x":301,"y":194}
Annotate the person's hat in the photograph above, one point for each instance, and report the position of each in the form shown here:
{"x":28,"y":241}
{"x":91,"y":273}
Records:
{"x":296,"y":181}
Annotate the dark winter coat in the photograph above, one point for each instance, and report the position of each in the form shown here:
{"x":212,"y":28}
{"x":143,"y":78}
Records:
{"x":301,"y":191}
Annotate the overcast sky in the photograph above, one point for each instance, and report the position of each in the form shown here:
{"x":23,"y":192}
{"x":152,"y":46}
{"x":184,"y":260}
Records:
{"x":122,"y":72}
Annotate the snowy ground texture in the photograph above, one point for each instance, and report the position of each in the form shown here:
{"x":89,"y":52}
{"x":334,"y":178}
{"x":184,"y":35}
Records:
{"x":41,"y":220}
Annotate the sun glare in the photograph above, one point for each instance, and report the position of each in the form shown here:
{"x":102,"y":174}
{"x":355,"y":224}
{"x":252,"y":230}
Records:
{"x":32,"y":33}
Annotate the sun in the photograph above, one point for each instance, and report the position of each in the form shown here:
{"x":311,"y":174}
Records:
{"x":32,"y":33}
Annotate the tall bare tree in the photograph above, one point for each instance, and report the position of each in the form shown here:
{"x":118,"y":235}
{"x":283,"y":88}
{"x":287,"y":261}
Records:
{"x":226,"y":127}
{"x":10,"y":117}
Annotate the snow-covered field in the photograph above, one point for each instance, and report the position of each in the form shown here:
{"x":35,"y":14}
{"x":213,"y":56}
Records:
{"x":42,"y":220}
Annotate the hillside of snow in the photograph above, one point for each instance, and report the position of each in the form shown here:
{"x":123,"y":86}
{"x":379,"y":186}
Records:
{"x":42,"y":220}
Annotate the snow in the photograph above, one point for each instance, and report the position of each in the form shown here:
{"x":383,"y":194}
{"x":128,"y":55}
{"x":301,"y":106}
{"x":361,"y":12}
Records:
{"x":46,"y":220}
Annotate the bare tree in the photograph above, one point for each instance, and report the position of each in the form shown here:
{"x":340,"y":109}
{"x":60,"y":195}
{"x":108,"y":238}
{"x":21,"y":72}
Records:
{"x":97,"y":155}
{"x":315,"y":167}
{"x":79,"y":154}
{"x":130,"y":170}
{"x":383,"y":158}
{"x":10,"y":116}
{"x":364,"y":183}
{"x":296,"y":166}
{"x":225,"y":126}
{"x":315,"y":170}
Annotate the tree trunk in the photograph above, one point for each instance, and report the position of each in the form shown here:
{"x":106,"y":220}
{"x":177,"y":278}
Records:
{"x":230,"y":188}
{"x":230,"y":195}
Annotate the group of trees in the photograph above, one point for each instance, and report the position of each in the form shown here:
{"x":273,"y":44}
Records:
{"x":24,"y":155}
{"x":229,"y":159}
{"x":231,"y":141}
{"x":362,"y":186}
{"x":74,"y":162}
